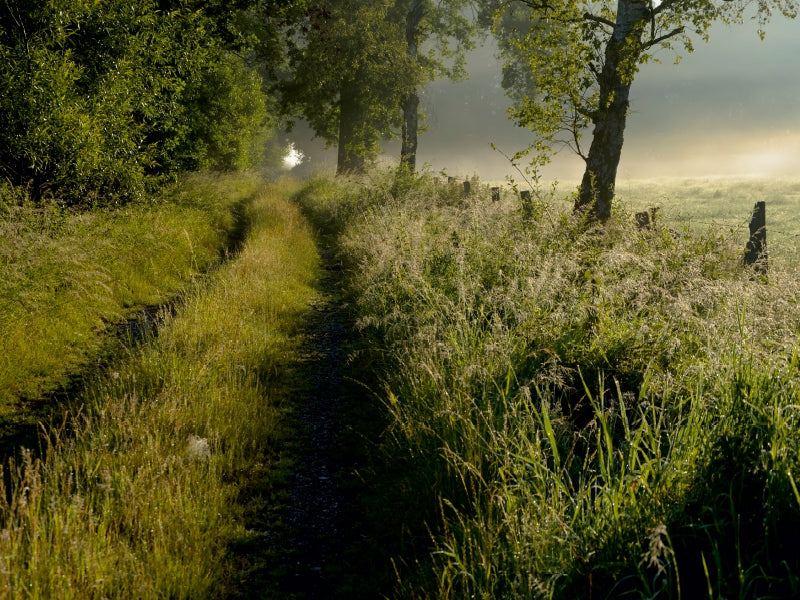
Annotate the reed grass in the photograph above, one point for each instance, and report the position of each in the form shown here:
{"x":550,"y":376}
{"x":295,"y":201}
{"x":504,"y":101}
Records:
{"x":592,"y":412}
{"x":142,"y":491}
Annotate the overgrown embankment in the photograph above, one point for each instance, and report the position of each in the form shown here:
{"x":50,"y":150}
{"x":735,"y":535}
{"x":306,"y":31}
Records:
{"x":172,"y":449}
{"x":67,"y":277}
{"x":579,"y":412}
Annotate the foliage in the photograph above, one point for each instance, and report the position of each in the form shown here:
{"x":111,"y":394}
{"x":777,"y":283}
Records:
{"x":350,"y":67}
{"x":570,"y":65}
{"x":101,"y":97}
{"x":583,"y":413}
{"x":229,"y":117}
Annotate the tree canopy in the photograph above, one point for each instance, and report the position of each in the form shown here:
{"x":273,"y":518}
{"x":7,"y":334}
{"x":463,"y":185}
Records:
{"x":355,"y":69}
{"x":569,"y":66}
{"x":99,"y":98}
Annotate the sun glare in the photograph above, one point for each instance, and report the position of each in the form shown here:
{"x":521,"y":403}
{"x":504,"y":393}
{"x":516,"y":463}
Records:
{"x":292,"y":158}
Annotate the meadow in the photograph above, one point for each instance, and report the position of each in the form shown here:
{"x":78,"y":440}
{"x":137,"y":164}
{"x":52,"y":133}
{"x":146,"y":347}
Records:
{"x":551,"y":409}
{"x":66,"y":277}
{"x":725,"y":204}
{"x":580,"y":412}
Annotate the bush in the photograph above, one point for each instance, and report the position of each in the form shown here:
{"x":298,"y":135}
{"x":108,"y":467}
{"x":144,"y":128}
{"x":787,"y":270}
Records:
{"x":103,"y":100}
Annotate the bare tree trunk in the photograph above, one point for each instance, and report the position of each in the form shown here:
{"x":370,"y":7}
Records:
{"x":597,"y":187}
{"x":350,"y":158}
{"x":410,"y":104}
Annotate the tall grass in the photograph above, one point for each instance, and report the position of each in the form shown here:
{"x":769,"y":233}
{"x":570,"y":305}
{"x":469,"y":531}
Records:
{"x":66,"y":277}
{"x":144,"y":489}
{"x":598,"y":412}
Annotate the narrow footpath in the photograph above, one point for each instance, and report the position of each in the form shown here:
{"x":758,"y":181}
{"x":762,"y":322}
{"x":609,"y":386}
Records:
{"x":315,"y":527}
{"x":322,"y":547}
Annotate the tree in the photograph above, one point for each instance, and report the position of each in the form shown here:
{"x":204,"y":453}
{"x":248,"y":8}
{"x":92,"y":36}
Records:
{"x":346,"y":68}
{"x":434,"y":25}
{"x":355,"y":69}
{"x":578,"y":60}
{"x":101,"y":98}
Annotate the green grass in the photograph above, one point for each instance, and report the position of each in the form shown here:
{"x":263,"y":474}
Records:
{"x":583,"y":413}
{"x":66,"y":278}
{"x":147,"y":489}
{"x":725,"y":205}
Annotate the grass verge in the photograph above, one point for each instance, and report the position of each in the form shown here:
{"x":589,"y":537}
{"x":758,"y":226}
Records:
{"x":145,"y":490}
{"x":583,"y":412}
{"x":66,"y":278}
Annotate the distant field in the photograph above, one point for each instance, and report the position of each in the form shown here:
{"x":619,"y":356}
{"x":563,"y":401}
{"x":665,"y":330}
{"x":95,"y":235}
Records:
{"x":724,"y":204}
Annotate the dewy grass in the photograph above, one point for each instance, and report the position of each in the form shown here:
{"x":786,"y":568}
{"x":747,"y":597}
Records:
{"x":595,"y":412}
{"x":64,"y":277}
{"x":142,"y":498}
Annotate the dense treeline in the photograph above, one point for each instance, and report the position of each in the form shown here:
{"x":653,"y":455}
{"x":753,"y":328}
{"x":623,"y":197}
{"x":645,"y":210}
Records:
{"x":100,"y":99}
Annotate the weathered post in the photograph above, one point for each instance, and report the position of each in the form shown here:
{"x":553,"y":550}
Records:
{"x":527,"y":204}
{"x":467,"y":189}
{"x":495,"y":194}
{"x":646,"y":218}
{"x":755,"y":252}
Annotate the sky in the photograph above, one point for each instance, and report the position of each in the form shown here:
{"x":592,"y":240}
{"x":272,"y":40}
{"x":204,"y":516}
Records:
{"x":730,"y":109}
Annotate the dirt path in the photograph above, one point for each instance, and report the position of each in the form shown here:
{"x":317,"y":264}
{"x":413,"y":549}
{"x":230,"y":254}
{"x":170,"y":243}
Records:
{"x":316,"y":529}
{"x":323,"y":546}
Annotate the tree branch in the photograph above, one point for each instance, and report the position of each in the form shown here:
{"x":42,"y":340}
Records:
{"x":660,"y":39}
{"x":603,"y":21}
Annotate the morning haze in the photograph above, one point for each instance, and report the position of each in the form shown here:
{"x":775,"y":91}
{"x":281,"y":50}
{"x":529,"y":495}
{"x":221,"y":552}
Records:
{"x":732,"y":108}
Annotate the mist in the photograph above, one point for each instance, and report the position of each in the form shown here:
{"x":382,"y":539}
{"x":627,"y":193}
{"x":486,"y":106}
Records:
{"x":730,"y":109}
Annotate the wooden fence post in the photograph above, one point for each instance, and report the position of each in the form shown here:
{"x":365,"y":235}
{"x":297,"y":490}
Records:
{"x":527,"y":204}
{"x":755,"y":252}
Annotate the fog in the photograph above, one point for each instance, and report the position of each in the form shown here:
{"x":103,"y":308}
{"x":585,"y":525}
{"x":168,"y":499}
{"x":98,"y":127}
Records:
{"x":732,"y":108}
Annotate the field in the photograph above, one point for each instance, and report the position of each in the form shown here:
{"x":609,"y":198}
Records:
{"x":149,"y":475}
{"x":721,"y":204}
{"x":548,"y":409}
{"x":725,"y":204}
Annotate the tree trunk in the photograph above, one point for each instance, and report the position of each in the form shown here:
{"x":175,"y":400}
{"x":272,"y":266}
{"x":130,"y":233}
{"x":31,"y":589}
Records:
{"x":351,"y":158}
{"x":622,"y":52}
{"x":410,"y":104}
{"x":408,"y":152}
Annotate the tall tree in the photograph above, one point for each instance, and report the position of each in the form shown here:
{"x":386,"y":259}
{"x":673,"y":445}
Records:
{"x":570,"y":65}
{"x":347,"y":64}
{"x":437,"y":35}
{"x":355,"y":70}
